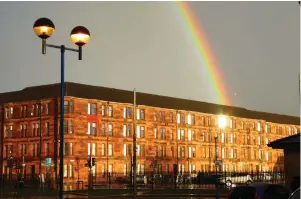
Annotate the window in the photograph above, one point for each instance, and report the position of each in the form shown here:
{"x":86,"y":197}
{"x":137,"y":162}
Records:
{"x":35,"y":150}
{"x":223,"y":138}
{"x":191,"y":152}
{"x":258,"y":127}
{"x":47,"y":149}
{"x":203,"y":136}
{"x":110,"y":168}
{"x":124,"y":150}
{"x":124,"y":130}
{"x":93,"y":149}
{"x":65,"y":170}
{"x":142,"y":114}
{"x":127,"y":112}
{"x":155,"y":133}
{"x":203,"y":121}
{"x":289,"y":131}
{"x":142,"y":132}
{"x":267,"y":128}
{"x":191,"y":135}
{"x":189,"y":119}
{"x":171,"y":117}
{"x":182,"y":118}
{"x":142,"y":150}
{"x":47,"y":108}
{"x":47,"y":126}
{"x":89,"y":148}
{"x":35,"y":129}
{"x":163,"y":150}
{"x":110,"y":111}
{"x":93,"y":128}
{"x":8,"y":131}
{"x":70,"y":170}
{"x":110,"y":152}
{"x":162,"y":116}
{"x":68,"y":149}
{"x":182,"y":151}
{"x":129,"y":130}
{"x":6,"y":110}
{"x":103,"y":110}
{"x":23,"y":149}
{"x":155,"y":116}
{"x":110,"y":130}
{"x":208,"y":121}
{"x":68,"y":126}
{"x":24,"y":111}
{"x":178,"y":118}
{"x":181,"y":134}
{"x":103,"y":149}
{"x":11,"y":112}
{"x":68,"y":106}
{"x":266,"y":141}
{"x":23,"y":130}
{"x":102,"y":129}
{"x":191,"y":168}
{"x":92,"y":109}
{"x":231,"y":138}
{"x":192,"y":119}
{"x":138,"y":150}
{"x":163,"y":134}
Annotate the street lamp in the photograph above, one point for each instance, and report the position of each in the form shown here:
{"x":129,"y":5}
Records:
{"x":80,"y":35}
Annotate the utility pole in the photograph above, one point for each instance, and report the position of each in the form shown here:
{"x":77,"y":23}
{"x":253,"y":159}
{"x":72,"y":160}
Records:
{"x":134,"y":147}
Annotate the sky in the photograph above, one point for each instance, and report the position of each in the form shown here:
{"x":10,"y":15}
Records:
{"x":147,"y":46}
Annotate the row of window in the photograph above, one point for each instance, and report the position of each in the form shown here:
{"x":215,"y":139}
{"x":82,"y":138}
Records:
{"x":158,"y":116}
{"x":140,"y":133}
{"x":26,"y":149}
{"x":159,"y":151}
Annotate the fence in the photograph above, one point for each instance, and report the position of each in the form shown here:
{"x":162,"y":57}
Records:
{"x":199,"y":180}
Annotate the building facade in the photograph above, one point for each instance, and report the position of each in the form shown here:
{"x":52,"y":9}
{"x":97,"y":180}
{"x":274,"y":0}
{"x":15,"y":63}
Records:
{"x":99,"y":123}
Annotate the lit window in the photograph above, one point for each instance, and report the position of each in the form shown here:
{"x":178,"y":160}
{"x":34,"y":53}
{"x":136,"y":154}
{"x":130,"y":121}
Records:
{"x":65,"y":170}
{"x":189,"y":118}
{"x":110,"y":152}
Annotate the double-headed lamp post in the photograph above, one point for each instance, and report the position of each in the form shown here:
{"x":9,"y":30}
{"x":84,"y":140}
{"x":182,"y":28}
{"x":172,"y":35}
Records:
{"x":221,"y":125}
{"x":80,"y":35}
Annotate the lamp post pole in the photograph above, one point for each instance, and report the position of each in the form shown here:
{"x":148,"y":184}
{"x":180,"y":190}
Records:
{"x":216,"y":157}
{"x":40,"y":132}
{"x":134,"y":147}
{"x":80,"y":35}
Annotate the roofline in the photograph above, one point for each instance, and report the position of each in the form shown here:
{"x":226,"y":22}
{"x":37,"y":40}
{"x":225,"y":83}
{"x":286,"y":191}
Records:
{"x":72,"y":92}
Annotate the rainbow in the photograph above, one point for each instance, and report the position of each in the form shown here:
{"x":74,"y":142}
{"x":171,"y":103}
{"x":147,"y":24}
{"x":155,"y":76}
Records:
{"x":204,"y":51}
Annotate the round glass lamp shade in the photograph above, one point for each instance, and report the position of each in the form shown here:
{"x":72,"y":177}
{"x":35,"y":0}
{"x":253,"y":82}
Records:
{"x":80,"y":35}
{"x":43,"y":28}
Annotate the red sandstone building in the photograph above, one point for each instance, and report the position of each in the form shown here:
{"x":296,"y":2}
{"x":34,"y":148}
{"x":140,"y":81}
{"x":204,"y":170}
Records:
{"x":99,"y":123}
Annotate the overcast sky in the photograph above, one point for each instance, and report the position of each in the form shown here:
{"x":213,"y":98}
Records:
{"x":145,"y":45}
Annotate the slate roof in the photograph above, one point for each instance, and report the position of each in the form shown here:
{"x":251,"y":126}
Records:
{"x":123,"y":96}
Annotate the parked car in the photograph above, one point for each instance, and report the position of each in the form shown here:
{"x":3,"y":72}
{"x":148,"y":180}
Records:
{"x":259,"y":191}
{"x":236,"y":178}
